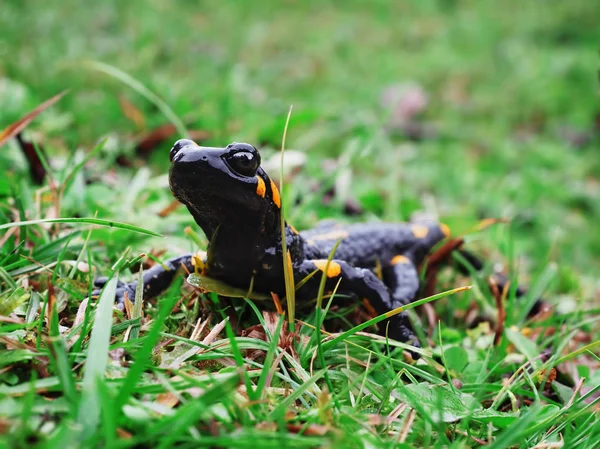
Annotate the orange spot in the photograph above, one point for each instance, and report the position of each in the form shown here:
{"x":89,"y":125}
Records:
{"x":276,"y":197}
{"x":294,"y":230}
{"x":445,"y":229}
{"x":400,"y":259}
{"x":260,"y":187}
{"x":419,"y":231}
{"x":333,"y":270}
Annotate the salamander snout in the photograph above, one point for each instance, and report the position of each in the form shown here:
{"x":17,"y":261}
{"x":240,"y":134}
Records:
{"x":180,"y":144}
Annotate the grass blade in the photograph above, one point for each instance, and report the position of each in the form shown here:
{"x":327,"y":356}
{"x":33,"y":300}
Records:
{"x":390,"y":314}
{"x":97,"y":360}
{"x":144,"y":354}
{"x":288,"y":273}
{"x":96,"y":221}
{"x":130,"y":81}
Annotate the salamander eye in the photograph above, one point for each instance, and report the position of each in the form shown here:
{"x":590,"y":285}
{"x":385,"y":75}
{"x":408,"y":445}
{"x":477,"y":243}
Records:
{"x":244,"y":163}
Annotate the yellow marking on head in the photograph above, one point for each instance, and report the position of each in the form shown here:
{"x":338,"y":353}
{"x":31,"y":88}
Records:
{"x":276,"y":197}
{"x":333,"y":270}
{"x":399,"y":259}
{"x":419,"y":231}
{"x":445,"y":229}
{"x":260,"y":187}
{"x":331,"y":235}
{"x":294,"y":230}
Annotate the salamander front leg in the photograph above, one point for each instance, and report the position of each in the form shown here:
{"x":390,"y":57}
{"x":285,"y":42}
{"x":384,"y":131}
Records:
{"x":156,"y":280}
{"x":364,"y":284}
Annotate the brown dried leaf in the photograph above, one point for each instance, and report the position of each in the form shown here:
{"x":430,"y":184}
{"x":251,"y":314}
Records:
{"x":18,"y":126}
{"x":286,"y":338}
{"x":128,"y":305}
{"x":165,"y":212}
{"x":36,"y":168}
{"x":311,"y":430}
{"x":267,"y":426}
{"x":79,"y":319}
{"x":167,"y":399}
{"x":16,"y":344}
{"x":124,"y":434}
{"x":51,"y":303}
{"x":10,"y":319}
{"x":132,"y":112}
{"x":157,"y":136}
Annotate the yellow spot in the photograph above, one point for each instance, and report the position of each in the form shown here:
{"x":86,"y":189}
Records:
{"x":260,"y":187}
{"x":199,"y":262}
{"x":333,"y":270}
{"x":331,"y":235}
{"x":419,"y":231}
{"x":276,"y":197}
{"x":400,"y":259}
{"x":445,"y":229}
{"x":294,"y":230}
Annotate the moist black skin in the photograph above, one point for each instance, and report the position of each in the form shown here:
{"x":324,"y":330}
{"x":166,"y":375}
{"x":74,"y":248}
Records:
{"x":238,"y":207}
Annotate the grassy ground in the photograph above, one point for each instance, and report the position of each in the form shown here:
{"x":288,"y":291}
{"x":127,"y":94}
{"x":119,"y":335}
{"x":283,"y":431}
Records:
{"x":508,"y":129}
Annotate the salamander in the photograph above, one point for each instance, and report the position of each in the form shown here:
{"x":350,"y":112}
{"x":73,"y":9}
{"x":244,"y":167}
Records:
{"x":238,"y":206}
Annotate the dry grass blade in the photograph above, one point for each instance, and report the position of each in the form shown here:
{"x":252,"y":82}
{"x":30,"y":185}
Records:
{"x":397,"y":411}
{"x":51,"y":303}
{"x":214,"y":333}
{"x":18,"y":126}
{"x":208,"y":340}
{"x":166,"y":211}
{"x":132,"y":112}
{"x":198,"y":329}
{"x":407,"y":426}
{"x":500,"y":298}
{"x":79,"y":318}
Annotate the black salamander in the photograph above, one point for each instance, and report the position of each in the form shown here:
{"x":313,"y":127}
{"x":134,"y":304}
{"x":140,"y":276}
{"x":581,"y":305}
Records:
{"x":238,"y":207}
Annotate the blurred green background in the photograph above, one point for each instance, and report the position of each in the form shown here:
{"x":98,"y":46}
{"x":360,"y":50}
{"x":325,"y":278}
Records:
{"x":460,"y":109}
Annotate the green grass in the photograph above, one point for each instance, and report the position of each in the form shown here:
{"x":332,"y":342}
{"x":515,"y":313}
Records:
{"x":509,"y":86}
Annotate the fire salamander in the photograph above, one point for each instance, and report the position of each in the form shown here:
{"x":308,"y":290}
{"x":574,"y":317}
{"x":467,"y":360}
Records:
{"x":238,"y":207}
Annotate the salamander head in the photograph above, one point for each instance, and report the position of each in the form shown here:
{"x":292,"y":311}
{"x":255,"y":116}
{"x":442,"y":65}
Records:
{"x":223,"y":186}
